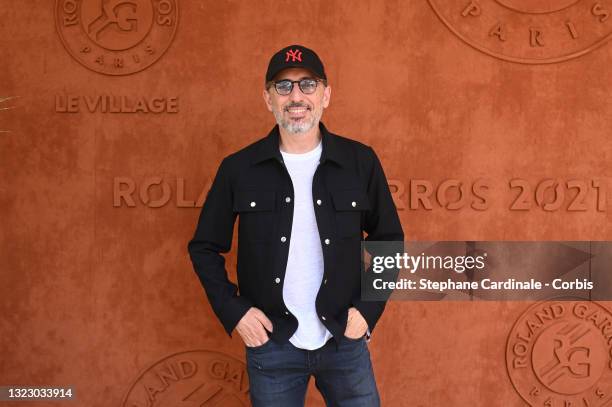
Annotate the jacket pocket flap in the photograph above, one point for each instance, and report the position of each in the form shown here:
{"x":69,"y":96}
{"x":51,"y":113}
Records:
{"x":353,"y":199}
{"x":254,"y":200}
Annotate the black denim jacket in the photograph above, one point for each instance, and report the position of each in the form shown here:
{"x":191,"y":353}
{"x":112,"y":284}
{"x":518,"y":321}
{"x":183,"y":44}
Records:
{"x":350,"y":195}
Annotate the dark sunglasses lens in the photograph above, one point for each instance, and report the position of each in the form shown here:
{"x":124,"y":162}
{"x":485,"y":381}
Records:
{"x":308,"y":85}
{"x":284,"y":87}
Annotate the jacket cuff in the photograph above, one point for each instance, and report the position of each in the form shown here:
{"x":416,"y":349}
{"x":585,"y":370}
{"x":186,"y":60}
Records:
{"x":233,"y":311}
{"x":371,"y":311}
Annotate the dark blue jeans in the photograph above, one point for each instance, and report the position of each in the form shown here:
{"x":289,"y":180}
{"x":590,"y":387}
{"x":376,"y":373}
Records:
{"x":279,"y":374}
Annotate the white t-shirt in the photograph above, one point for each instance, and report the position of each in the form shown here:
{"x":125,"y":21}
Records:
{"x":305,"y":264}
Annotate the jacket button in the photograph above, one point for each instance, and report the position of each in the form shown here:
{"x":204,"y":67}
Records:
{"x":288,"y":199}
{"x":286,"y":312}
{"x":326,"y":241}
{"x":325,"y":281}
{"x":323,"y":317}
{"x":354,"y":204}
{"x":319,"y":202}
{"x":252,"y":204}
{"x":277,"y":280}
{"x":283,"y":239}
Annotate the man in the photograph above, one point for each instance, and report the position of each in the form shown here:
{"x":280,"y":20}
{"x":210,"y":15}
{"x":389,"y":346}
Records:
{"x":304,"y":196}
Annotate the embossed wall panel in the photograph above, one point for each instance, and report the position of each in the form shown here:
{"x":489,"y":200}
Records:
{"x":492,"y":119}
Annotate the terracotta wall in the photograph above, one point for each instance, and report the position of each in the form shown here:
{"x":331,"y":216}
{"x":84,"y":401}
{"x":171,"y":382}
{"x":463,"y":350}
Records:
{"x":109,"y":138}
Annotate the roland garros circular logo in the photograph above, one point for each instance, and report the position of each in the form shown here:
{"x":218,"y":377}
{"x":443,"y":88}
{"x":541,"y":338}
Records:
{"x":116,"y":37}
{"x":193,"y":378}
{"x":529,"y":31}
{"x":559,"y":353}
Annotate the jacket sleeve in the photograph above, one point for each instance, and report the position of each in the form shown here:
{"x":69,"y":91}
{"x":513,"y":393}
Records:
{"x":381,"y":223}
{"x":213,"y":236}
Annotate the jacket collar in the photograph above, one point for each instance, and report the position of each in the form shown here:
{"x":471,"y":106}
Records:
{"x":269,"y":147}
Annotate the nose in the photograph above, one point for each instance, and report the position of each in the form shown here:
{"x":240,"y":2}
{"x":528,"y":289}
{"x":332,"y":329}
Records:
{"x":296,"y":94}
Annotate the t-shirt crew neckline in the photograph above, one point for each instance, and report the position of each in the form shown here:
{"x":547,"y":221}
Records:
{"x":303,"y":156}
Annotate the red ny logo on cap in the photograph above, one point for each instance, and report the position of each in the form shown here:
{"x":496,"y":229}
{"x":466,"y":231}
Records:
{"x":294,"y":54}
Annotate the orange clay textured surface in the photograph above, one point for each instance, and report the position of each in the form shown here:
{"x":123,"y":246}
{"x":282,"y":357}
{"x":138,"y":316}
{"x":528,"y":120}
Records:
{"x":115,"y":115}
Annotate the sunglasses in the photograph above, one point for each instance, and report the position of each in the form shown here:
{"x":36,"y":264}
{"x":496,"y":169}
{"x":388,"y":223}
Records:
{"x":306,"y":85}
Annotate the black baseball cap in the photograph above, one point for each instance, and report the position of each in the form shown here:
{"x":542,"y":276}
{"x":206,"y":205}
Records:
{"x":297,"y":56}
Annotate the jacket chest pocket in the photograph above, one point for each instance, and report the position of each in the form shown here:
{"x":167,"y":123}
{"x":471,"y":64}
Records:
{"x":256,"y":210}
{"x":349,"y":206}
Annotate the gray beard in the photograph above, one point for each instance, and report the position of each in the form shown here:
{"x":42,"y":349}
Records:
{"x":301,"y":127}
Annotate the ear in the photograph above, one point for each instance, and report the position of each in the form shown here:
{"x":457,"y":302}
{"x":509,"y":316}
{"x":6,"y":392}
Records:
{"x":326,"y":96}
{"x":267,"y":99}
